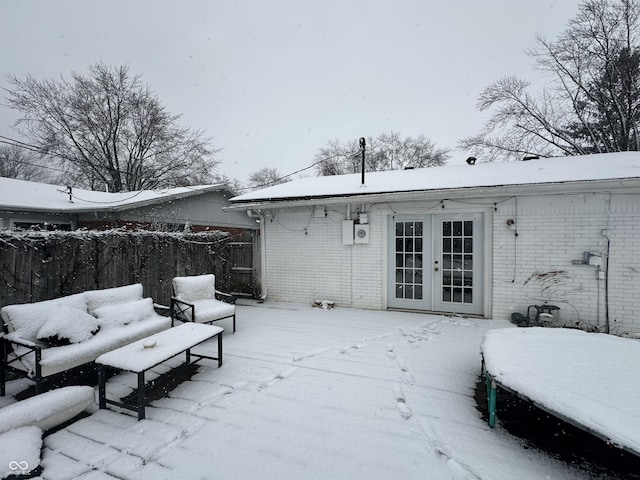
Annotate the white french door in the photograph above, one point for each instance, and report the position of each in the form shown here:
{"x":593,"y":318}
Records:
{"x":436,"y":262}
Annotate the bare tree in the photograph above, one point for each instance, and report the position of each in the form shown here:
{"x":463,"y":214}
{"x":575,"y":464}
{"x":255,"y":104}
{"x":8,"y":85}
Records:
{"x":592,"y":103}
{"x":109,"y":129}
{"x":266,"y":177}
{"x":17,"y":162}
{"x":233,"y":184}
{"x":387,"y":151}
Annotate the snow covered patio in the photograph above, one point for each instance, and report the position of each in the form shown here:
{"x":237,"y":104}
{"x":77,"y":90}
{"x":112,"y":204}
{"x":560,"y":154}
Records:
{"x":308,"y":393}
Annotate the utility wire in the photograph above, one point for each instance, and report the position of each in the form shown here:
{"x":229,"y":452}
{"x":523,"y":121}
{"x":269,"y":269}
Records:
{"x":36,"y":149}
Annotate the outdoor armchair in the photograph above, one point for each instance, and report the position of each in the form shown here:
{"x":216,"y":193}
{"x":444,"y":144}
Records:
{"x":195,"y":299}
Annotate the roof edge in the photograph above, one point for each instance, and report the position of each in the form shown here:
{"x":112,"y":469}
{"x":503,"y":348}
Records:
{"x":578,"y":186}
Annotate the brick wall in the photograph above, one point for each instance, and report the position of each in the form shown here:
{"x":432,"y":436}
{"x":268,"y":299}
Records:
{"x":535,"y":267}
{"x":306,"y":260}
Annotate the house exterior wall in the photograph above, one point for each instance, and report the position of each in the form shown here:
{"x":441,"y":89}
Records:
{"x":10,"y":219}
{"x":535,"y":267}
{"x":199,"y":211}
{"x":305,"y":259}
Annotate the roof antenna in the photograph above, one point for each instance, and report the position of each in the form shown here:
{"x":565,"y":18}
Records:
{"x":363,"y":145}
{"x":70,"y":193}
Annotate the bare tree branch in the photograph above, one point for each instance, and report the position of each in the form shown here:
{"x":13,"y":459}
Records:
{"x":110,"y":129}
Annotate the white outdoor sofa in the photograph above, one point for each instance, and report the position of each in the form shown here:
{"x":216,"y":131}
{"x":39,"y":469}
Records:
{"x":92,"y":323}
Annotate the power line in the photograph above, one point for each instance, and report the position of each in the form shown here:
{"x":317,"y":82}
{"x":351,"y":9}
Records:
{"x":40,"y":150}
{"x":280,"y":179}
{"x":37,"y":149}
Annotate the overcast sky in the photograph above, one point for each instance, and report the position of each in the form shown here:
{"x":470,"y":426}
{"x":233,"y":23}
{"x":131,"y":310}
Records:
{"x":272,"y":81}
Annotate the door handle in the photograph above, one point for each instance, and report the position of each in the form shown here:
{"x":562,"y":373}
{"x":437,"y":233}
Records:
{"x":435,"y":269}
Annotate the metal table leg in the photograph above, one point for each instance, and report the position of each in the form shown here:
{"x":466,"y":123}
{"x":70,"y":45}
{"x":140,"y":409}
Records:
{"x":141,"y":396}
{"x":102,"y":388}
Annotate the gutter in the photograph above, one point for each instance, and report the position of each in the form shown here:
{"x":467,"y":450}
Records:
{"x":558,"y":188}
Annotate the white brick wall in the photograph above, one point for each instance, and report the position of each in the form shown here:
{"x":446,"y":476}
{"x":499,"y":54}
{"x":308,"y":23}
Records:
{"x":306,"y":260}
{"x":553,"y":231}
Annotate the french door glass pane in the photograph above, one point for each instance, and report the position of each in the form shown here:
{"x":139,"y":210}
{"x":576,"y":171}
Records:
{"x":409,"y":242}
{"x":457,"y":261}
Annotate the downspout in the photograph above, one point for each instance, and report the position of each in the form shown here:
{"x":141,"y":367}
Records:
{"x":607,"y":326}
{"x":263,"y":252}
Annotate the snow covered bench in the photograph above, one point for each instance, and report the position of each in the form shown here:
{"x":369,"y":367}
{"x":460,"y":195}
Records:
{"x":45,"y":338}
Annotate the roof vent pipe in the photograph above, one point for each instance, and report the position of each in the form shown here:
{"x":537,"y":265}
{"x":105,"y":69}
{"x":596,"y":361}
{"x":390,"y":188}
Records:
{"x":362,"y":149}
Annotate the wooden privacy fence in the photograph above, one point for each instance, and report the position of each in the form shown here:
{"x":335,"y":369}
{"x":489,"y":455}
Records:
{"x":38,"y":266}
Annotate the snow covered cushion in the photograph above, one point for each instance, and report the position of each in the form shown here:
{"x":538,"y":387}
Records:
{"x":124,"y":313}
{"x":210,"y":310}
{"x":108,"y":296}
{"x":47,"y":410}
{"x":20,"y":452}
{"x":197,"y":287}
{"x":67,"y":325}
{"x":27,"y":319}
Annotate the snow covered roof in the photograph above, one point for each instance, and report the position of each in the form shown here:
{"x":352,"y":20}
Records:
{"x":42,"y":197}
{"x":550,"y":171}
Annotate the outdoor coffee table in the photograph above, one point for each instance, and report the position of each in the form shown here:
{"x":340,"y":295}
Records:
{"x":141,"y":356}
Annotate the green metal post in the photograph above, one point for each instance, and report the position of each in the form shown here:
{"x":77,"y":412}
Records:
{"x":492,"y":401}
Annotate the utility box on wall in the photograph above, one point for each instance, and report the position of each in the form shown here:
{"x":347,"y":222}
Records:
{"x":361,"y":234}
{"x":347,"y":232}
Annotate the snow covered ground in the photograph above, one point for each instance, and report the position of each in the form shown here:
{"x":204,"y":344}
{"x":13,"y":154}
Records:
{"x":308,"y":393}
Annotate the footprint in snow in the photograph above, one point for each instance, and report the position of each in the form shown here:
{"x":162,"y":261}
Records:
{"x":352,"y":347}
{"x":274,"y":379}
{"x":404,"y":371}
{"x":390,"y":353}
{"x":401,"y":403}
{"x":310,"y":354}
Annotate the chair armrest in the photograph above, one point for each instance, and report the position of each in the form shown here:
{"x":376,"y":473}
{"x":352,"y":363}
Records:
{"x":11,"y":360}
{"x":12,"y":338}
{"x":177,"y":301}
{"x":226,"y":297}
{"x":178,"y":310}
{"x":163,"y":310}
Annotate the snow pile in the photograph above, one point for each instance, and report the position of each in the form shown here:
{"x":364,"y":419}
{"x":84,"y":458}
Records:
{"x":590,"y":378}
{"x":20,"y":452}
